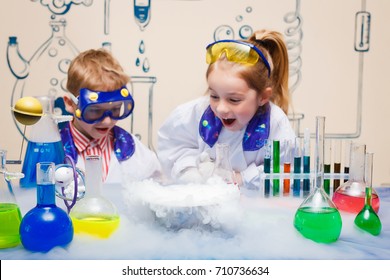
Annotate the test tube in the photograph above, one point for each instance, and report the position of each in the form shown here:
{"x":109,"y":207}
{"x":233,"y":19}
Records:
{"x":276,"y":166}
{"x":297,"y":166}
{"x":287,"y":160}
{"x":327,"y":163}
{"x":337,"y":162}
{"x":306,"y":162}
{"x":267,"y":167}
{"x":347,"y":154}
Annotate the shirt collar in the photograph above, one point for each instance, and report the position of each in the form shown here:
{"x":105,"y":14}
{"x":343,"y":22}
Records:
{"x":82,"y":142}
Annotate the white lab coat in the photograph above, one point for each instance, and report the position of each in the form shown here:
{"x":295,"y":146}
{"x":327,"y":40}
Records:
{"x":179,"y":142}
{"x":141,"y":165}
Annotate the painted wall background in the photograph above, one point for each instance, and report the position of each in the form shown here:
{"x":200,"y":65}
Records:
{"x":175,"y":41}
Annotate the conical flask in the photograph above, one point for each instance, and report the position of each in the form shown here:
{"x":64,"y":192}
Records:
{"x":44,"y":143}
{"x":94,"y":214}
{"x":350,"y":196}
{"x":317,"y":218}
{"x":46,"y":225}
{"x":223,"y":168}
{"x":10,"y":216}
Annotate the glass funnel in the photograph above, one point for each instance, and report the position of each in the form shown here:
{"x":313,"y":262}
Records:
{"x":10,"y":216}
{"x":350,"y":196}
{"x":94,"y":214}
{"x":317,"y":218}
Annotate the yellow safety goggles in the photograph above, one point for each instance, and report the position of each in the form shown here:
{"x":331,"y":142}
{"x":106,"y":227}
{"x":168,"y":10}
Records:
{"x":236,"y":51}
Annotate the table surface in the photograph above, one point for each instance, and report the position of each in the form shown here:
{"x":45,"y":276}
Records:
{"x":254,"y":228}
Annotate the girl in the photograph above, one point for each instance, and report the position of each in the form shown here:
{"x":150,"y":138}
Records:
{"x":246,"y":104}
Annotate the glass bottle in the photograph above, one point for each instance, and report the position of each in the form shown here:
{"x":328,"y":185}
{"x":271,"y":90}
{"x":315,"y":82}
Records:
{"x":350,"y":196}
{"x":317,"y":218}
{"x":94,"y":214}
{"x":223,"y":166}
{"x":46,"y":225}
{"x":10,"y":216}
{"x":44,"y":143}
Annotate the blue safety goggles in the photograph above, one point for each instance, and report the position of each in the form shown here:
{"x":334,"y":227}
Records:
{"x":236,"y":51}
{"x":95,"y":106}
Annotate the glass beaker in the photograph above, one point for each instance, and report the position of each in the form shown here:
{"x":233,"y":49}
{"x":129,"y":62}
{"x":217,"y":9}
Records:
{"x":317,"y":218}
{"x":94,"y":214}
{"x":46,"y":225}
{"x":350,"y":196}
{"x":223,"y":167}
{"x":10,"y":216}
{"x":44,"y":143}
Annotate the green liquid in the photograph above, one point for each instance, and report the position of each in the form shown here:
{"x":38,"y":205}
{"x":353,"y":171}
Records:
{"x":10,"y":218}
{"x":320,"y":225}
{"x":368,"y":220}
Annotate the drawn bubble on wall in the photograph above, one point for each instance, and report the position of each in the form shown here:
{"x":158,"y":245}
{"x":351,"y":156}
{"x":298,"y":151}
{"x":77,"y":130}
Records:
{"x":226,"y":32}
{"x":61,"y":7}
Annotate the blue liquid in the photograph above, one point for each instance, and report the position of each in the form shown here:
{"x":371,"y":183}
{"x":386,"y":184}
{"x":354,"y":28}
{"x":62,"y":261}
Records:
{"x":46,"y":225}
{"x":306,"y":182}
{"x":267,"y":169}
{"x":297,"y":182}
{"x":39,"y":152}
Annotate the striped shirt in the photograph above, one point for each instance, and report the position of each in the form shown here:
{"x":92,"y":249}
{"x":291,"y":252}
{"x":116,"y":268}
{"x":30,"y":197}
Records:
{"x":102,"y":147}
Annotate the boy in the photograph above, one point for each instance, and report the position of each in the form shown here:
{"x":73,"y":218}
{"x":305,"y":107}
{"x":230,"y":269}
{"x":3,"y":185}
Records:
{"x":97,"y":99}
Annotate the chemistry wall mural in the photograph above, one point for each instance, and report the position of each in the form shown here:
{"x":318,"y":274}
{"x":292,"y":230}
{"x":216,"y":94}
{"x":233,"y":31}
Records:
{"x":58,"y":50}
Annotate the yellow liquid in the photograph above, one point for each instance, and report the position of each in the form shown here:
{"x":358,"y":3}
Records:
{"x":100,"y":226}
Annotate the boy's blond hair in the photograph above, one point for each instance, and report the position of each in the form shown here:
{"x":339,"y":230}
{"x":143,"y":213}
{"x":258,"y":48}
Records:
{"x":95,"y":70}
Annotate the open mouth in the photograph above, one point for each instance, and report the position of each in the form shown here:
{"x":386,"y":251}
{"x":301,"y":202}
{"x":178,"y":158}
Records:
{"x":102,"y":130}
{"x":228,"y":122}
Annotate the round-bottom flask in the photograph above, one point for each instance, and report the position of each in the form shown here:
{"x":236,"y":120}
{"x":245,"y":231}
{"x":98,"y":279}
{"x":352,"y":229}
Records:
{"x":10,"y":216}
{"x":46,"y":225}
{"x":94,"y":214}
{"x":317,"y":218}
{"x":351,"y":195}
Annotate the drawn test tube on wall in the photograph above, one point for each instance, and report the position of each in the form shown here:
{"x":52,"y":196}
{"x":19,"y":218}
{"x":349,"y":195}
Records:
{"x":106,"y":17}
{"x":142,"y":13}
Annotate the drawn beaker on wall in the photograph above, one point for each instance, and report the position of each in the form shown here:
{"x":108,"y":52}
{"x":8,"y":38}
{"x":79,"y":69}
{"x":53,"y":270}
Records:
{"x":142,"y":90}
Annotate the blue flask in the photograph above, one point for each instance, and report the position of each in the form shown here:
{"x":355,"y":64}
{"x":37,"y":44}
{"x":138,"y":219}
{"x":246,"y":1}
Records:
{"x":46,"y":225}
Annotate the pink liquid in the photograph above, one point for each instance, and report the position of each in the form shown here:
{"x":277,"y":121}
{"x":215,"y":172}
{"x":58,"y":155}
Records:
{"x":353,"y":204}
